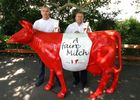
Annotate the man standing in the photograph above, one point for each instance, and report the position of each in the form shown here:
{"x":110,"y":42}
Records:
{"x":45,"y":24}
{"x":79,"y":27}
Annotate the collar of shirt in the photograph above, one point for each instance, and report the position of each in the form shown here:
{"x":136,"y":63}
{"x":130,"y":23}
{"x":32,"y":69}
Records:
{"x":81,"y":25}
{"x":46,"y":19}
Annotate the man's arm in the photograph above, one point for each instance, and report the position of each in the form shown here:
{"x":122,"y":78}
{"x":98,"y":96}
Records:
{"x":68,"y":29}
{"x":89,"y":29}
{"x":56,"y":26}
{"x":35,"y":25}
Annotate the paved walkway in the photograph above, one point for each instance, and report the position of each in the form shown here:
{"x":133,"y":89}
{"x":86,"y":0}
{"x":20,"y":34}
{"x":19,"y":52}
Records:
{"x":18,"y":74}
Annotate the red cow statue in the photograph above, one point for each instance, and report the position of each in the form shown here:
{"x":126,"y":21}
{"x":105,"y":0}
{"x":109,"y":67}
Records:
{"x":101,"y":60}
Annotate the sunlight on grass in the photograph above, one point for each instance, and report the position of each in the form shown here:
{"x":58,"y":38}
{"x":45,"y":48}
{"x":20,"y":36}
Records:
{"x":17,"y":59}
{"x":19,"y":71}
{"x":14,"y":77}
{"x":5,"y":77}
{"x":9,"y":64}
{"x":4,"y":62}
{"x":27,"y":97}
{"x":18,"y":91}
{"x":132,"y":96}
{"x":34,"y":61}
{"x":12,"y":82}
{"x":16,"y":94}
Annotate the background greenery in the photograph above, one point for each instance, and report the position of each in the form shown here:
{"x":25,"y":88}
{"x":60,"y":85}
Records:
{"x":12,"y":11}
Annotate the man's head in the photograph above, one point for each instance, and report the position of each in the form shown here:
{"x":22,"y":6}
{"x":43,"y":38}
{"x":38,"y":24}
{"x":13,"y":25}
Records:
{"x":79,"y":17}
{"x":45,"y":12}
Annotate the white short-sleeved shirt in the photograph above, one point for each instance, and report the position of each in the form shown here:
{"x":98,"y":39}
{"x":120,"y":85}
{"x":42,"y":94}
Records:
{"x":45,"y":25}
{"x":74,"y":27}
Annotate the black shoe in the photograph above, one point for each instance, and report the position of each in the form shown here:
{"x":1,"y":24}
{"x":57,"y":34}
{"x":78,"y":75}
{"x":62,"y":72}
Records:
{"x":83,"y":86}
{"x":39,"y":83}
{"x":75,"y":83}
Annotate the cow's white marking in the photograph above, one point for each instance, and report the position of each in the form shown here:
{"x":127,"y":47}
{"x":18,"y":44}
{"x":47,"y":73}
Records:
{"x":75,"y":51}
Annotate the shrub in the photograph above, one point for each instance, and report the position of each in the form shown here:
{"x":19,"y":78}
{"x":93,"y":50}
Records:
{"x":130,"y":33}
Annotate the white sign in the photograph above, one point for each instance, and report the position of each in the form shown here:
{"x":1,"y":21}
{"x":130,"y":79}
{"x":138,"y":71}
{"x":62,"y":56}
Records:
{"x":75,"y":51}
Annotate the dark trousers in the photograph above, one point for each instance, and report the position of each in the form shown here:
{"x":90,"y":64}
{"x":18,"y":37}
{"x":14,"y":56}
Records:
{"x":42,"y":71}
{"x":82,"y":77}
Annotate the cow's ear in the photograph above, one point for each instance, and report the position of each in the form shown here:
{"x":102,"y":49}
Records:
{"x":25,"y":24}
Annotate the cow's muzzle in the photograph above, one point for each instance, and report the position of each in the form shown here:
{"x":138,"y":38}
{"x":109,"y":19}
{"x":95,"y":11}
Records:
{"x":10,"y":41}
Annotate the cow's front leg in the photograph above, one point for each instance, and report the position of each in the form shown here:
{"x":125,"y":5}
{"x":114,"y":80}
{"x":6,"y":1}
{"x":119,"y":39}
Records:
{"x":63,"y":91}
{"x":51,"y":80}
{"x":102,"y":84}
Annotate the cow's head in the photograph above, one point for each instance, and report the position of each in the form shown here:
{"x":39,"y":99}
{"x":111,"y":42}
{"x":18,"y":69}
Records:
{"x":24,"y":36}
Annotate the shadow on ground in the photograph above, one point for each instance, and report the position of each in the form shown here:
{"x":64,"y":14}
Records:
{"x":18,"y":74}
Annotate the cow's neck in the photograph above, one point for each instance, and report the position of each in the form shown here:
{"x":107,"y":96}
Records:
{"x":37,"y":42}
{"x":45,"y":46}
{"x":40,"y":41}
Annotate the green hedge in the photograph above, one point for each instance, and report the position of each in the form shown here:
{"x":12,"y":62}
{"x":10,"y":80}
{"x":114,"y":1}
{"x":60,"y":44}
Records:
{"x":4,"y":45}
{"x":130,"y":34}
{"x":130,"y":31}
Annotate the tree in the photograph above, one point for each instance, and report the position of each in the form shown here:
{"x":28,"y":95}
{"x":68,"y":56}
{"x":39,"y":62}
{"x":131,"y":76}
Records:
{"x":15,"y":10}
{"x":137,"y":4}
{"x":63,"y":10}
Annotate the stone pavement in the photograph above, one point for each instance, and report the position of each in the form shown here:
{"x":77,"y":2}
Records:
{"x":18,"y":75}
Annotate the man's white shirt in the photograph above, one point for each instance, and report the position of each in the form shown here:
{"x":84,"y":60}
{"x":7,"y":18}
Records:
{"x":45,"y":25}
{"x":74,"y":27}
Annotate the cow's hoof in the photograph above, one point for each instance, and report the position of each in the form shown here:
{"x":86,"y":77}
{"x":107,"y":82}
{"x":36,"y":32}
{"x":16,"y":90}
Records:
{"x":110,"y":90}
{"x":60,"y":95}
{"x":47,"y":87}
{"x":95,"y":95}
{"x":92,"y":96}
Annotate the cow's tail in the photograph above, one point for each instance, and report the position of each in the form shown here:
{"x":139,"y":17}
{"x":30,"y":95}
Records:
{"x":118,"y":38}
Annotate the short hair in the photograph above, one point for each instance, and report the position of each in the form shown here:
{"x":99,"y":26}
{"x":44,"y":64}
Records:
{"x":45,"y":6}
{"x":79,"y":12}
{"x":75,"y":12}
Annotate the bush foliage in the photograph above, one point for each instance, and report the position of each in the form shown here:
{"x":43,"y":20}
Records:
{"x":130,"y":33}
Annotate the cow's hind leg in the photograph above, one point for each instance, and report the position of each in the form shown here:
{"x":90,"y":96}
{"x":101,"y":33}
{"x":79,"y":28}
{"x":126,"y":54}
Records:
{"x":101,"y":86}
{"x":51,"y":80}
{"x":63,"y":91}
{"x":113,"y":86}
